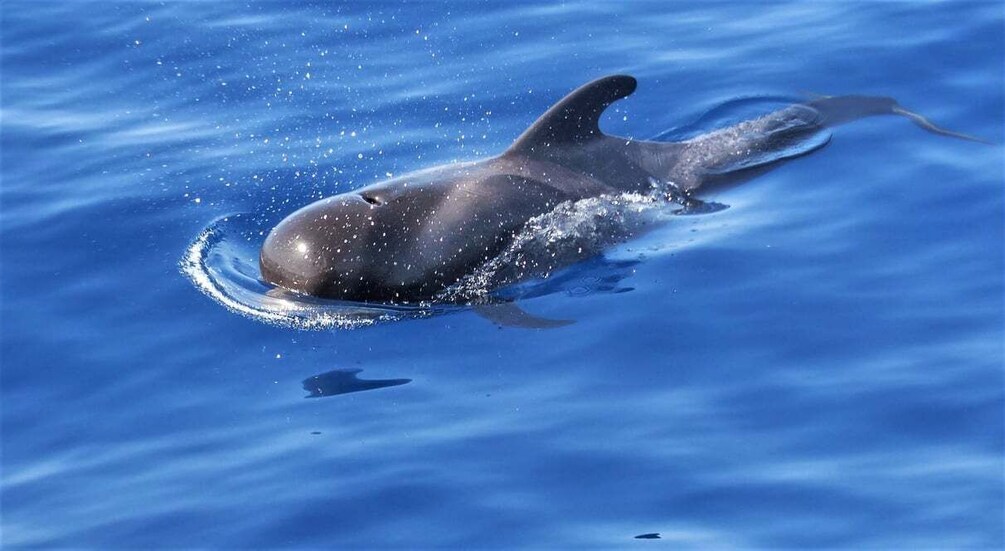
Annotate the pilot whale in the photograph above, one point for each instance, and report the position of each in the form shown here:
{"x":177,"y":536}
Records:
{"x":410,"y":238}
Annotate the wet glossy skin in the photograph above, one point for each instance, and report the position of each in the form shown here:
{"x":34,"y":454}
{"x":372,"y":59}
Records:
{"x":405,"y":239}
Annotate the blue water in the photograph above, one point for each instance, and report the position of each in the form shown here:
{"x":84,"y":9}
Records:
{"x":819,"y":365}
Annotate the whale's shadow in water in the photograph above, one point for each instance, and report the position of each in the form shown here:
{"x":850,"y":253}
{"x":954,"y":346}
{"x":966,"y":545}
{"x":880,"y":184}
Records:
{"x":344,"y":381}
{"x":596,"y":275}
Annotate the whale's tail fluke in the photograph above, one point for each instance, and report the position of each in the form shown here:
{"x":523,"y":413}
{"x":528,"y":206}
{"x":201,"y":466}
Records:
{"x":841,"y":109}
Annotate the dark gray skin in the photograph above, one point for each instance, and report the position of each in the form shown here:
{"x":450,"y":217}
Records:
{"x":409,"y":238}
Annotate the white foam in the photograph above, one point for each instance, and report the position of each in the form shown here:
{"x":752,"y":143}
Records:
{"x":573,"y":231}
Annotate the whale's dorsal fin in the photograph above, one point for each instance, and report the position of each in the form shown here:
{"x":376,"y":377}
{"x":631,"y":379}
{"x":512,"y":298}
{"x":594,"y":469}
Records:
{"x":508,"y":314}
{"x":576,"y":118}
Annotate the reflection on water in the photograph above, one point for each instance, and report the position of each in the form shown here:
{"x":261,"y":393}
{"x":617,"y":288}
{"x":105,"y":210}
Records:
{"x":344,"y":381}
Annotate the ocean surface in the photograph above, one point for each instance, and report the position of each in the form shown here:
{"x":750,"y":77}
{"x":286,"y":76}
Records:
{"x":818,"y":365}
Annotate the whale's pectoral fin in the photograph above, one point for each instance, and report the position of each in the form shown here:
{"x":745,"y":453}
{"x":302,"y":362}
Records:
{"x":690,"y":205}
{"x":576,"y":118}
{"x":684,"y":196}
{"x":508,"y":314}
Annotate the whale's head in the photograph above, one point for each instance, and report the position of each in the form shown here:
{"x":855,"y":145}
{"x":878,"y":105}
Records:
{"x":382,"y":243}
{"x":401,"y":240}
{"x":323,"y":249}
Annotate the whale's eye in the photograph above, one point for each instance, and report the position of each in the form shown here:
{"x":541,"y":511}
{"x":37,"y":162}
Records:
{"x":371,"y":199}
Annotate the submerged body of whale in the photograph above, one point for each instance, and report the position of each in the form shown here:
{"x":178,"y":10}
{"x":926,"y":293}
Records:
{"x":411,"y":238}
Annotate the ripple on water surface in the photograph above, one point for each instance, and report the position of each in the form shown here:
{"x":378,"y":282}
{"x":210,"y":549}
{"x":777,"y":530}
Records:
{"x":222,"y":262}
